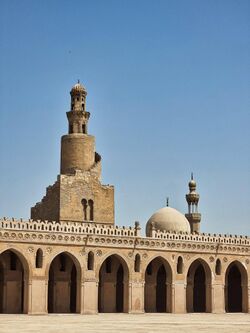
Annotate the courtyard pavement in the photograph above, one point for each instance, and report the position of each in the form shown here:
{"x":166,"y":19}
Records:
{"x":119,"y":323}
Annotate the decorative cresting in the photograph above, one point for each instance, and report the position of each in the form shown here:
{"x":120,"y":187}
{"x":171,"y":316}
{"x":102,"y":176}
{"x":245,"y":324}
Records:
{"x":193,"y":216}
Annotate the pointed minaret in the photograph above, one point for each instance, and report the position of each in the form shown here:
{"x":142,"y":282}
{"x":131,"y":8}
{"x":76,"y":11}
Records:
{"x":192,"y":198}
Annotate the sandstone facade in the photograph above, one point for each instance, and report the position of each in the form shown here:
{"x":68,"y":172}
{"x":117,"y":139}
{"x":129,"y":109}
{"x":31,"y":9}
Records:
{"x":71,"y":258}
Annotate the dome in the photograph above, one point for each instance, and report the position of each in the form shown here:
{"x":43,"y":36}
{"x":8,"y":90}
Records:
{"x":168,"y":219}
{"x":78,"y":87}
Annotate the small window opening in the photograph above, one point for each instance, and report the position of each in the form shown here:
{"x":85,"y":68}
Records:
{"x":180,"y":265}
{"x":83,"y":106}
{"x":84,"y":205}
{"x":84,"y":129}
{"x":39,"y":258}
{"x":91,"y":210}
{"x":70,"y":129}
{"x":218,"y":267}
{"x":90,"y":261}
{"x":137,"y":263}
{"x":72,"y":106}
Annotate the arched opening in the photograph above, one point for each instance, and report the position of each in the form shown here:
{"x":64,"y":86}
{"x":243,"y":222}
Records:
{"x":236,"y":291}
{"x":63,"y":285}
{"x":84,"y":206}
{"x":90,"y":261}
{"x":113,"y":285}
{"x":39,"y":258}
{"x":13,"y":283}
{"x":180,"y":265}
{"x":218,"y":267}
{"x":198,"y":297}
{"x":158,"y":281}
{"x":91,"y":210}
{"x":137,"y":263}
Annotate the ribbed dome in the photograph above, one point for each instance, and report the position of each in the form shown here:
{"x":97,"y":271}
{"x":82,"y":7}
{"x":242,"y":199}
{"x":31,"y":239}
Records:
{"x":168,"y":219}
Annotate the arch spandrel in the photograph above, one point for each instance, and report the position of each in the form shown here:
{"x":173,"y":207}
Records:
{"x":195,"y":263}
{"x":24,"y":258}
{"x":241,"y":266}
{"x":166,"y":262}
{"x":127,"y":265}
{"x":80,"y":268}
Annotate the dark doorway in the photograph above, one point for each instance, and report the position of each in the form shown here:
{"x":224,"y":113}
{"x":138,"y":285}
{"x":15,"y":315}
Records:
{"x":199,"y":291}
{"x":161,"y":290}
{"x":113,"y":285}
{"x":12,"y":283}
{"x":234,"y":290}
{"x":119,"y":289}
{"x":62,"y":285}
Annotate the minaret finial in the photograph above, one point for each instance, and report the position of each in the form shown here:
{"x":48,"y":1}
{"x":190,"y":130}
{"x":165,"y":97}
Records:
{"x":167,"y":201}
{"x":78,"y":81}
{"x":192,"y":176}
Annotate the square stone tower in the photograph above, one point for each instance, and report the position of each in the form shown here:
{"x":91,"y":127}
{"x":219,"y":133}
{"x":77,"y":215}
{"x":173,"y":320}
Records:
{"x":77,"y":195}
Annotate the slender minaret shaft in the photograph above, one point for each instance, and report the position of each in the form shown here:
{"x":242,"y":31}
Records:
{"x":193,"y":216}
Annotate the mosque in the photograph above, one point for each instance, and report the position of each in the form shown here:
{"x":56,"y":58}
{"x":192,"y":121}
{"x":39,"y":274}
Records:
{"x":70,"y":257}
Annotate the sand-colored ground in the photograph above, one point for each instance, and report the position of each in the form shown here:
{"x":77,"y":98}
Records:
{"x":110,"y":323}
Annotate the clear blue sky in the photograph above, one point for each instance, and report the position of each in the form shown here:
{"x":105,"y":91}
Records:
{"x":168,"y":91}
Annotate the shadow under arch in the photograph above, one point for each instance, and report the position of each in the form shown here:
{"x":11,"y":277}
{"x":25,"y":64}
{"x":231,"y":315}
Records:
{"x":113,"y":287}
{"x":199,"y":287}
{"x":64,"y":283}
{"x":236,"y":288}
{"x":158,"y":285}
{"x":14,"y":281}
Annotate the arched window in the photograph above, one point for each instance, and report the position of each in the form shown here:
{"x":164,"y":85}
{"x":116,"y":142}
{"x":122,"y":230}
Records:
{"x":180,"y":265}
{"x":90,"y":261}
{"x":137,"y":263}
{"x":39,"y":258}
{"x":84,"y":206}
{"x":91,"y":210}
{"x":218,"y":267}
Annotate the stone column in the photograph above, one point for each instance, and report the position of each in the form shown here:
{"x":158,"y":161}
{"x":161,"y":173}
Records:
{"x":218,"y":297}
{"x":136,"y":296}
{"x":89,"y":296}
{"x":38,"y":295}
{"x":179,"y":297}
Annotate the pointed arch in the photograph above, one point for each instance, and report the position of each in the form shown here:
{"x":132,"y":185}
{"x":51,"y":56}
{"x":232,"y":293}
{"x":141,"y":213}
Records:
{"x":199,"y":290}
{"x":14,"y":277}
{"x":236,"y":288}
{"x":64,"y":276}
{"x":113,"y":285}
{"x":158,"y":284}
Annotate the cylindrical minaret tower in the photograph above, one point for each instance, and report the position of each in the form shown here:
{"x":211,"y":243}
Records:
{"x":192,"y":198}
{"x":77,"y":147}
